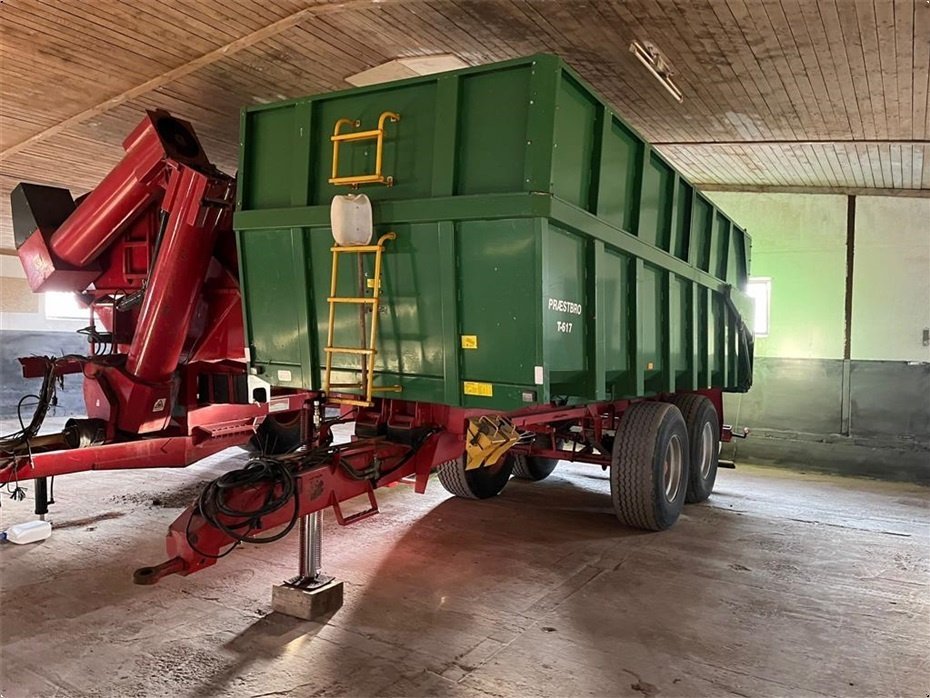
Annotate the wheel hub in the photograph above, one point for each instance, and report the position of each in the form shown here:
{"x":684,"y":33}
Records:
{"x":672,"y":467}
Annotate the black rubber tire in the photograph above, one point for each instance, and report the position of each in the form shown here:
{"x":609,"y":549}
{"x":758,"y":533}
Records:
{"x":480,"y":483}
{"x":276,"y":435}
{"x":533,"y":467}
{"x":637,"y":487}
{"x":697,"y":411}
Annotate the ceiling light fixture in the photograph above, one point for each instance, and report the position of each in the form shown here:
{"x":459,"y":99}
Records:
{"x":401,"y":68}
{"x":651,"y":57}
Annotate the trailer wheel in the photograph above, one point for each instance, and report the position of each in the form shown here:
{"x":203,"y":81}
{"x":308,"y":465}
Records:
{"x":480,"y":483}
{"x":276,"y":435}
{"x":704,"y":434}
{"x":533,"y":467}
{"x":649,"y":467}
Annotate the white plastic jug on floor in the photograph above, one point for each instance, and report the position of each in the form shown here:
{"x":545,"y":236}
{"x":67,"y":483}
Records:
{"x":29,"y":532}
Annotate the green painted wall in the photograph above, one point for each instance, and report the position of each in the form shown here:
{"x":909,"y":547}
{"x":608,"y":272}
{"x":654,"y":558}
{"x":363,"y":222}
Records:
{"x":808,"y":406}
{"x":891,"y":280}
{"x":799,"y":241}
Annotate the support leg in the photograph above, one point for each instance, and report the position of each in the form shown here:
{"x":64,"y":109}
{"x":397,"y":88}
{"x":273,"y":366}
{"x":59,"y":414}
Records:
{"x":310,"y":595}
{"x":41,"y":487}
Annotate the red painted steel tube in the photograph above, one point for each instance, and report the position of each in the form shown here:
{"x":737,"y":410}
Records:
{"x":102,"y":216}
{"x":178,"y":274}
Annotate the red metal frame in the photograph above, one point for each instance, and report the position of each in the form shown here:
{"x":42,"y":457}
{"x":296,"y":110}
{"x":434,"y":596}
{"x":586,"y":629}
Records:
{"x":193,"y":543}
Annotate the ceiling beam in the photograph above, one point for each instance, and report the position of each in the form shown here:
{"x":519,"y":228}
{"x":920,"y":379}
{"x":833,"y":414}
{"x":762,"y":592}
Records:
{"x":200,"y":62}
{"x":824,"y":141}
{"x":845,"y":191}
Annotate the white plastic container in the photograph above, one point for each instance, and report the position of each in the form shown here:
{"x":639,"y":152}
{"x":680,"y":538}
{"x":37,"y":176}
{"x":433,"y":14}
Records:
{"x":350,"y":216}
{"x":29,"y":532}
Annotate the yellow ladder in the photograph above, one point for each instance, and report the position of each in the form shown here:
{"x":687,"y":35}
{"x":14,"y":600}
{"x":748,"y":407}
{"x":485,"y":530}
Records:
{"x":374,"y":300}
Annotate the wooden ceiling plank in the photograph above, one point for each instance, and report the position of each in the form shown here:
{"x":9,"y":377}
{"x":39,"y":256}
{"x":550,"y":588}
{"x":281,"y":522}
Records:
{"x":746,"y":102}
{"x":733,"y":43}
{"x":119,"y":22}
{"x":460,"y":22}
{"x":61,"y":55}
{"x":624,"y":86}
{"x":180,"y":71}
{"x":920,"y":74}
{"x":852,"y":170}
{"x":856,"y":58}
{"x":770,"y":86}
{"x":902,"y":31}
{"x":877,"y":59}
{"x":795,"y":74}
{"x":807,"y":29}
{"x":649,"y":111}
{"x":70,"y":28}
{"x":664,"y":33}
{"x":840,"y":70}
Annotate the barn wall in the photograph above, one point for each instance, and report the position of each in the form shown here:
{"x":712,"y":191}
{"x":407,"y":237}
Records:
{"x":866,"y":414}
{"x":26,"y":331}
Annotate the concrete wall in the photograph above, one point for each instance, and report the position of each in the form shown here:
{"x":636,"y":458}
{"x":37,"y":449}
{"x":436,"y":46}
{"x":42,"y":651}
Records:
{"x":26,"y":331}
{"x":868,"y":413}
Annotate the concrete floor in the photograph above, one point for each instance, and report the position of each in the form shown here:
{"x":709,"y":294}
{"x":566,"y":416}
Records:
{"x":783,"y":584}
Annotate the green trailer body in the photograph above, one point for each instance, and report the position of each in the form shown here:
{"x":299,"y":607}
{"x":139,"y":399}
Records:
{"x":544,"y":250}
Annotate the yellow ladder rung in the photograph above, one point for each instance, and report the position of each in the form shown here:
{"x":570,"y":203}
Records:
{"x":349,"y":350}
{"x":357,"y":136}
{"x":347,"y":401}
{"x":347,"y":299}
{"x":357,"y":249}
{"x":386,"y":389}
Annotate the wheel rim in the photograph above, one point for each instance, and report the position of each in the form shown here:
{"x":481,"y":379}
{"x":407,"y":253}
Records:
{"x":707,"y":449}
{"x":671,"y":468}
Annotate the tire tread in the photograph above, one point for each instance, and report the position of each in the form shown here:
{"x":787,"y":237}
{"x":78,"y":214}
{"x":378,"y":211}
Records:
{"x":632,"y":476}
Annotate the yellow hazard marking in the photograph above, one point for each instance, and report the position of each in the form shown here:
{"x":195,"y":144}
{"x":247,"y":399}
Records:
{"x":480,"y":389}
{"x":469,"y":341}
{"x":649,"y":366}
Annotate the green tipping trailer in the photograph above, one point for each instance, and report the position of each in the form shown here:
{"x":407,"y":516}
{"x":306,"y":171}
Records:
{"x":544,"y":250}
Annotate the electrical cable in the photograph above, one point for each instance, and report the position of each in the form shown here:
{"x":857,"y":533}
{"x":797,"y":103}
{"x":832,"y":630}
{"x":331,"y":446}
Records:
{"x":278,"y":478}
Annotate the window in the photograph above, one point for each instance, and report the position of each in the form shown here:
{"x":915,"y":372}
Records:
{"x":63,"y":305}
{"x":760,"y":290}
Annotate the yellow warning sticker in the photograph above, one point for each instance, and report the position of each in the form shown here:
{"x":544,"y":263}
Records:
{"x":480,"y":389}
{"x":469,"y":341}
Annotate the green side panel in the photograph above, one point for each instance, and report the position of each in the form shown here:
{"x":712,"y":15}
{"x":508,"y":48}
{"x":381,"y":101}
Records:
{"x":564,"y":306}
{"x":272,"y":269}
{"x":529,"y":218}
{"x":718,"y":324}
{"x":736,"y":262}
{"x":573,"y":147}
{"x":621,"y":154}
{"x":498,"y":296}
{"x":720,"y":246}
{"x":652,"y":301}
{"x":492,"y":140}
{"x":619,"y":336}
{"x":705,"y":336}
{"x":655,"y":216}
{"x":682,"y":224}
{"x":410,"y":338}
{"x":682,"y":344}
{"x":702,"y":222}
{"x":408,"y":143}
{"x":268,"y":159}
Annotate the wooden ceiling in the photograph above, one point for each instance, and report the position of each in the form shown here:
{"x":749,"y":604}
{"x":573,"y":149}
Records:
{"x":785,"y":94}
